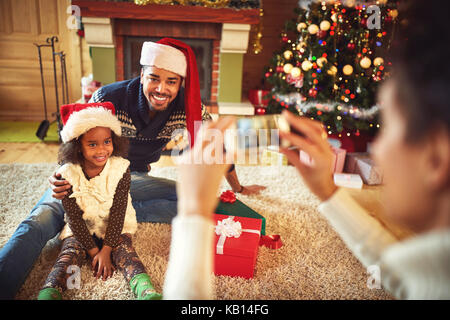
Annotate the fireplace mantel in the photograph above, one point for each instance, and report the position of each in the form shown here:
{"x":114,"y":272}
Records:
{"x":129,"y":10}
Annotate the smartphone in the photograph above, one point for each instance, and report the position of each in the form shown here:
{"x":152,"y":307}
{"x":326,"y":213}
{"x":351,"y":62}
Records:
{"x":255,"y":131}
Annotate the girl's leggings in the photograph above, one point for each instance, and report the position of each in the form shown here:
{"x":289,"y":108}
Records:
{"x":124,"y":258}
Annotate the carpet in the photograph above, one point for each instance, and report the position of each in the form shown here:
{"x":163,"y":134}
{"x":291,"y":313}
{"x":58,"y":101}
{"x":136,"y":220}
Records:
{"x":313,"y":263}
{"x":25,"y":131}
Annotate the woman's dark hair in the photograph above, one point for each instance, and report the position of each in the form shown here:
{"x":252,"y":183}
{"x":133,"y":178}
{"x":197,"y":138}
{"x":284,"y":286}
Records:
{"x":71,"y":150}
{"x":419,"y":55}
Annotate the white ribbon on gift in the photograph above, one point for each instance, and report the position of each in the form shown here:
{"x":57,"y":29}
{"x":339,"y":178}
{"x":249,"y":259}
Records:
{"x":228,"y":228}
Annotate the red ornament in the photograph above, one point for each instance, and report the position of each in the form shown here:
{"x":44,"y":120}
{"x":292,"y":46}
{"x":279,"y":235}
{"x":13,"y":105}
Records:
{"x":260,"y":111}
{"x":351,"y":46}
{"x":228,"y":196}
{"x":279,"y":69}
{"x":312,"y":93}
{"x":322,"y":34}
{"x":364,"y":22}
{"x":285,"y":39}
{"x":268,"y":74}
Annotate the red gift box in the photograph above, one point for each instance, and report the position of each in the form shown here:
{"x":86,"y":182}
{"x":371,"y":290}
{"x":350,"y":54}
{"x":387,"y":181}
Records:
{"x":236,"y":256}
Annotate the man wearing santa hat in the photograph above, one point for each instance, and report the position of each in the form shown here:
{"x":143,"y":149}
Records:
{"x":150,"y":108}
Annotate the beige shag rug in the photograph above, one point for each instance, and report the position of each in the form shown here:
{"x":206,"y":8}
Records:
{"x":313,"y":263}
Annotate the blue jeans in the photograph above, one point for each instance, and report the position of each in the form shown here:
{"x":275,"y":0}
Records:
{"x":154,"y":200}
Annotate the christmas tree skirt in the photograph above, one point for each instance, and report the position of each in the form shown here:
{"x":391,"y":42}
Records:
{"x":313,"y":262}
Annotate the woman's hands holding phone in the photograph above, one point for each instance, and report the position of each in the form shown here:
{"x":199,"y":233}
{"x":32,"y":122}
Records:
{"x":318,"y":176}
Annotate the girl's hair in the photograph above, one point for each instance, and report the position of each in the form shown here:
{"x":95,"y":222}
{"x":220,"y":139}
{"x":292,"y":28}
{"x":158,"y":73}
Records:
{"x":70,"y":152}
{"x":421,"y":74}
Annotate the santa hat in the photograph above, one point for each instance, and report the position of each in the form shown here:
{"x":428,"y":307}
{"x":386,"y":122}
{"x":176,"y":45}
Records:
{"x":177,"y":57}
{"x":78,"y":118}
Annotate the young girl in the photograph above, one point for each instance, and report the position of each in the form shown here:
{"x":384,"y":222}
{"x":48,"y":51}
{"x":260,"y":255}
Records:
{"x":100,"y":216}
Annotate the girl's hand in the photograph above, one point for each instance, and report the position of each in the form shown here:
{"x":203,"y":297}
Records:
{"x":105,"y":266}
{"x":201,"y":170}
{"x":93,"y":252}
{"x":318,"y":176}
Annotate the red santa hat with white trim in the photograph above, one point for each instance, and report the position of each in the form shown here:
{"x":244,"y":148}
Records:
{"x":79,"y":118}
{"x":177,"y":57}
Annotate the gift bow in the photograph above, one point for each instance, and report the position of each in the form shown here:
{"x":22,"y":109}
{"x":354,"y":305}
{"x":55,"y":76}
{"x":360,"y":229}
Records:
{"x":229,"y":228}
{"x":228,"y":196}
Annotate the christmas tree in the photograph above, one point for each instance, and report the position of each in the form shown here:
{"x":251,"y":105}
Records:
{"x":332,"y":62}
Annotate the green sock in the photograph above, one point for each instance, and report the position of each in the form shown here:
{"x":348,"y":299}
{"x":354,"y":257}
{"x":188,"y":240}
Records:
{"x":49,"y":294}
{"x":142,"y":287}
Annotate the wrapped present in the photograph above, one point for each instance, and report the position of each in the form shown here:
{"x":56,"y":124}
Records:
{"x":272,"y":157}
{"x":239,"y":209}
{"x":236,"y":243}
{"x":338,"y":161}
{"x":348,"y":180}
{"x":257,"y":98}
{"x":361,"y":163}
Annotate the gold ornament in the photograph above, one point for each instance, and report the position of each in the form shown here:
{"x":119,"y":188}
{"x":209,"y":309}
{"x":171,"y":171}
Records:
{"x":378,"y":61}
{"x":325,"y":25}
{"x":313,"y":29}
{"x":306,"y":65}
{"x":334,"y":17}
{"x":348,"y":70}
{"x":301,"y":45}
{"x":287,"y":68}
{"x":349,"y":3}
{"x":288,"y":54}
{"x":332,"y":71}
{"x":321,"y":61}
{"x":301,"y":26}
{"x":393,"y":13}
{"x":296,"y":72}
{"x":365,"y":62}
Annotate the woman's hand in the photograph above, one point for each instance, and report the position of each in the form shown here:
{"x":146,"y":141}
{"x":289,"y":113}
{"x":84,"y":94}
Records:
{"x":200,"y":170}
{"x":102,"y":265}
{"x":318,"y":176}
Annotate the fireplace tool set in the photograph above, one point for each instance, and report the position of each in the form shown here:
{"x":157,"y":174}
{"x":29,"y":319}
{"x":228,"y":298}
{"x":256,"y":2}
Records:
{"x":41,"y":132}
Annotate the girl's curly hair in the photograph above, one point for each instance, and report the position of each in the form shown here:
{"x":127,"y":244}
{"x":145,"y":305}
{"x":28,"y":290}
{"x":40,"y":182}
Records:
{"x":70,"y":152}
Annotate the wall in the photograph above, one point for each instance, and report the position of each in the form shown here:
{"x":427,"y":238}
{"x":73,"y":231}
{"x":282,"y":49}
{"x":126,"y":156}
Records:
{"x":276,"y":13}
{"x":23,"y":23}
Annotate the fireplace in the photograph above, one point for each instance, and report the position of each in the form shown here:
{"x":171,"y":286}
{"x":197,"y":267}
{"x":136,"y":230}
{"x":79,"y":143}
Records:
{"x":203,"y":49}
{"x":219,"y":38}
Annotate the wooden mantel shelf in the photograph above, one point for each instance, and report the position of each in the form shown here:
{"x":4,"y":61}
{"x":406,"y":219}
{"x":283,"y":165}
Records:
{"x":129,"y":10}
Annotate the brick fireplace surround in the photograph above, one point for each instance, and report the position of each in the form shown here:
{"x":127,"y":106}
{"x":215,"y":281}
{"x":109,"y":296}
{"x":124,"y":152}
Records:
{"x":107,"y":24}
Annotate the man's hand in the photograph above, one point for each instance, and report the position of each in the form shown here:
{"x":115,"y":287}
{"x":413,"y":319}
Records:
{"x":251,"y":190}
{"x":102,"y":265}
{"x":59,"y":187}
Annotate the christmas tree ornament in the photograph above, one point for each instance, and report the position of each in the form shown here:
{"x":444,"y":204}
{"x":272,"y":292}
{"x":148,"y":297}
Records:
{"x":321,"y":61}
{"x":312,"y":93}
{"x":348,"y":70}
{"x":306,"y":65}
{"x":365,"y":63}
{"x":313,"y":29}
{"x":351,"y":46}
{"x":393,"y":13}
{"x":301,"y":26}
{"x":332,"y":71}
{"x":378,"y":61}
{"x":288,"y":54}
{"x":301,"y":46}
{"x":296,"y":72}
{"x":325,"y":25}
{"x":287,"y":68}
